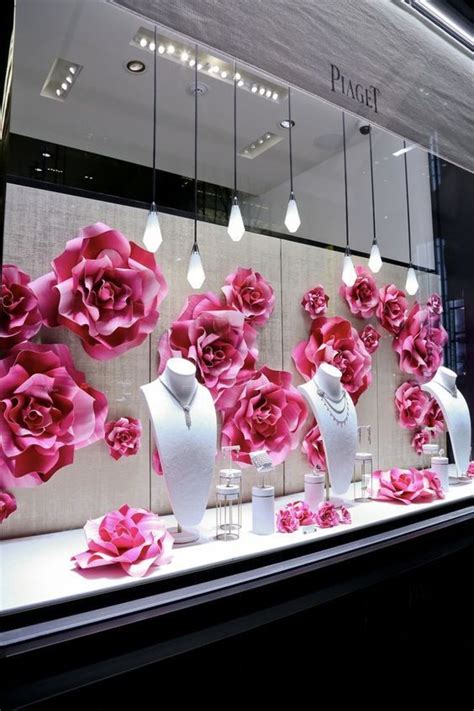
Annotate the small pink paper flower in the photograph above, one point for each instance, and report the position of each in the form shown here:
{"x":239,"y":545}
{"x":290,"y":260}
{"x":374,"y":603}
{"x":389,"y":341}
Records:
{"x":345,"y":515}
{"x":419,"y":439}
{"x":287,"y":521}
{"x":433,"y":417}
{"x":302,"y":513}
{"x":313,"y":447}
{"x":104,"y":289}
{"x":7,"y":505}
{"x":420,"y":343}
{"x":411,"y":404}
{"x":434,"y":483}
{"x":123,"y":437}
{"x":20,"y":317}
{"x":315,"y":301}
{"x":363,"y":297}
{"x":156,"y":462}
{"x":248,"y":292}
{"x":370,"y":338}
{"x":435,"y":304}
{"x":392,"y":308}
{"x":135,"y":539}
{"x":326,"y":515}
{"x":470,"y":470}
{"x":402,"y":486}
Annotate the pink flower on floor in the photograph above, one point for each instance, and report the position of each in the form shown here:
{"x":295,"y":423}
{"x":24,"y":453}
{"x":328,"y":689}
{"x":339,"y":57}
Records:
{"x":419,"y":439}
{"x":370,"y":338}
{"x":7,"y":505}
{"x":267,"y":414}
{"x":302,"y":513}
{"x":434,"y":483}
{"x":392,"y":308}
{"x":287,"y":521}
{"x":402,"y":486}
{"x":433,"y":417}
{"x":435,"y":304}
{"x":20,"y":317}
{"x":345,"y":515}
{"x":104,"y":289}
{"x":363,"y":297}
{"x":156,"y":462}
{"x":47,"y":411}
{"x":313,"y":447}
{"x":123,"y":437}
{"x":326,"y":515}
{"x":315,"y":301}
{"x":135,"y":539}
{"x":411,"y":404}
{"x":420,"y":343}
{"x":335,"y":341}
{"x":470,"y":470}
{"x":248,"y":292}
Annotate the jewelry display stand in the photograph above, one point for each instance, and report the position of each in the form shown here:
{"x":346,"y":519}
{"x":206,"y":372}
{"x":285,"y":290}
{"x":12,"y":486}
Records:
{"x":336,"y":417}
{"x":456,"y":415}
{"x":184,"y":423}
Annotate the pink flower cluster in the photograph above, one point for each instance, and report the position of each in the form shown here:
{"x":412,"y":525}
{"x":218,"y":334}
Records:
{"x":419,"y":343}
{"x":363,"y":297}
{"x":20,"y":317}
{"x":7,"y":505}
{"x":298,"y":513}
{"x":135,"y":539}
{"x":470,"y":470}
{"x":123,"y":437}
{"x":315,"y":301}
{"x":313,"y":447}
{"x":408,"y":486}
{"x":415,"y":408}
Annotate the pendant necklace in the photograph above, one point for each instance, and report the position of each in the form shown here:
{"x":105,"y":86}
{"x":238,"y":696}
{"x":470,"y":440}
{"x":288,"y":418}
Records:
{"x":185,"y":407}
{"x":448,"y":390}
{"x":329,"y":403}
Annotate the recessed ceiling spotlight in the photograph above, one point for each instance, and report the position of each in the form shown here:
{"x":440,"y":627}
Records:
{"x":58,"y":92}
{"x":224,"y":74}
{"x":252,"y":146}
{"x":152,"y":46}
{"x":135,"y":66}
{"x":268,"y":93}
{"x":268,"y":136}
{"x":275,"y":96}
{"x":254,"y":88}
{"x":285,"y":123}
{"x":237,"y":76}
{"x":199,"y":66}
{"x":261,"y":91}
{"x":72,"y":70}
{"x":61,"y":78}
{"x":39,"y":170}
{"x":161,"y":49}
{"x":69,"y":79}
{"x":215,"y":68}
{"x":46,"y":155}
{"x":64,"y":86}
{"x":184,"y":56}
{"x":143,"y":42}
{"x":261,"y":140}
{"x":170,"y":49}
{"x":192,"y":62}
{"x":240,"y":83}
{"x":260,"y":145}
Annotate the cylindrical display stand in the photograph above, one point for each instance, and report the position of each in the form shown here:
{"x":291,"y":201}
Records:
{"x":263,"y":510}
{"x":440,"y":466}
{"x":314,"y":492}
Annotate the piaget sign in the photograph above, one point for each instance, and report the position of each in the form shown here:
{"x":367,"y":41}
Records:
{"x":367,"y":95}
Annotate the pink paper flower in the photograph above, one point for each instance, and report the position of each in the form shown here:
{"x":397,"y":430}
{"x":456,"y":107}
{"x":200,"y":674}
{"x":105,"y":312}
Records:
{"x":47,"y":410}
{"x":217,"y":340}
{"x":302,"y":512}
{"x":335,"y":341}
{"x":20,"y":317}
{"x":313,"y":447}
{"x":156,"y":462}
{"x":287,"y":521}
{"x":433,"y":417}
{"x":248,"y":292}
{"x":434,"y":483}
{"x":370,"y":338}
{"x":7,"y":505}
{"x":267,"y":415}
{"x":315,"y":301}
{"x":392,"y":308}
{"x":470,"y":470}
{"x":420,"y":438}
{"x":402,"y":486}
{"x":363,"y":297}
{"x":326,"y":515}
{"x":411,"y":404}
{"x":123,"y":437}
{"x":104,"y":289}
{"x":345,"y":515}
{"x":420,"y":343}
{"x":435,"y":304}
{"x":135,"y":539}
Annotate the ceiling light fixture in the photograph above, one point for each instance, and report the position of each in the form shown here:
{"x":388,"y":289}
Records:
{"x":401,"y":151}
{"x":143,"y":42}
{"x":236,"y":227}
{"x":46,"y":155}
{"x":60,"y":80}
{"x":260,"y":145}
{"x":349,"y":274}
{"x":375,"y":260}
{"x":411,"y":284}
{"x":152,"y":237}
{"x":447,"y":23}
{"x":292,"y":217}
{"x":286,"y":123}
{"x":195,"y":276}
{"x":135,"y":66}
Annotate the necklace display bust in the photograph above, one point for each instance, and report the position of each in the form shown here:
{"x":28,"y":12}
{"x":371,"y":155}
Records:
{"x":184,"y":424}
{"x":455,"y":412}
{"x":336,"y":417}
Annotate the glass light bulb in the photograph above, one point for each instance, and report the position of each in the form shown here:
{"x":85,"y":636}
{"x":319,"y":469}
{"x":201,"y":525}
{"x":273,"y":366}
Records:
{"x":292,"y":217}
{"x":152,"y":238}
{"x":411,"y":284}
{"x":375,"y":260}
{"x":349,"y":274}
{"x":236,"y":227}
{"x":196,"y":276}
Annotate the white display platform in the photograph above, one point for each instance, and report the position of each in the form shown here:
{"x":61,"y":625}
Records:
{"x":37,"y":570}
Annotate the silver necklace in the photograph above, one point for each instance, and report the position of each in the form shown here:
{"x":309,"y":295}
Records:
{"x":186,"y":407}
{"x":333,"y":411}
{"x":448,"y":390}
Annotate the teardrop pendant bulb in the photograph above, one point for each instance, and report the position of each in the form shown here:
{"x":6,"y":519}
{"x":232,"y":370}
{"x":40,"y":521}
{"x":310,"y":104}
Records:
{"x":236,"y":227}
{"x":196,"y":276}
{"x":411,"y":284}
{"x":152,"y":238}
{"x":375,"y":260}
{"x":292,"y":218}
{"x":349,"y":274}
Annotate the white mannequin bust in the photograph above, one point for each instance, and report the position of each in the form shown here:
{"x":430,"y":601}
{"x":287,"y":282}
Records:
{"x":455,"y":412}
{"x":336,"y":417}
{"x":186,"y":441}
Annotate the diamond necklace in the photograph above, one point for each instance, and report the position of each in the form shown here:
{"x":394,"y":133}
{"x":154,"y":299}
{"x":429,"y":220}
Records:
{"x":185,"y":407}
{"x":448,"y":390}
{"x":333,"y":411}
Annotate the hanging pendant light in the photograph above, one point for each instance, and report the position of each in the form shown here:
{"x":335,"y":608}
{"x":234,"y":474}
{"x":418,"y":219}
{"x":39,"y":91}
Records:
{"x":196,"y":275}
{"x":349,"y":274}
{"x":236,"y":227}
{"x":152,"y":238}
{"x":292,"y":218}
{"x":375,"y":260}
{"x":411,"y":284}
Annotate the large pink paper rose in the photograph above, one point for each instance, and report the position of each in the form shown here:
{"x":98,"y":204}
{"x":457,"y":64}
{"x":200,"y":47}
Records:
{"x":302,"y":513}
{"x":434,"y":483}
{"x":135,"y":539}
{"x":7,"y":505}
{"x":411,"y":404}
{"x":335,"y":341}
{"x":104,"y":289}
{"x":363,"y":297}
{"x":313,"y":447}
{"x":286,"y":521}
{"x":433,"y":417}
{"x":20,"y":317}
{"x":248,"y":292}
{"x":419,"y":345}
{"x":217,"y":340}
{"x":402,"y":486}
{"x":370,"y":338}
{"x":267,"y":415}
{"x":392,"y":308}
{"x":470,"y":470}
{"x":327,"y":516}
{"x":47,"y":410}
{"x":156,"y":462}
{"x":123,"y":437}
{"x":315,"y":301}
{"x":420,"y":438}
